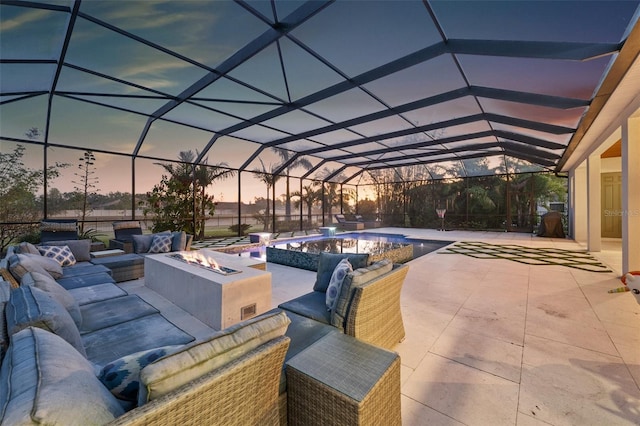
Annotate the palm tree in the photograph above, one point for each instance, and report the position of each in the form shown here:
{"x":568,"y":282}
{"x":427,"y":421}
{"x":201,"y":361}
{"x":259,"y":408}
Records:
{"x":200,"y":176}
{"x":333,"y":195}
{"x":299,"y":162}
{"x":269,"y":179}
{"x":308,"y":197}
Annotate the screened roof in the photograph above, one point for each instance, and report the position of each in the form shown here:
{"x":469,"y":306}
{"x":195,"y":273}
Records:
{"x":449,"y":86}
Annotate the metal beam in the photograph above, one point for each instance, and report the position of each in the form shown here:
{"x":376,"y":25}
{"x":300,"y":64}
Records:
{"x":416,"y":145}
{"x":625,"y":59}
{"x":532,"y":49}
{"x":549,"y":101}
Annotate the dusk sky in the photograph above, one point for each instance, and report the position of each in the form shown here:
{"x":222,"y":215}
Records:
{"x":111,"y":81}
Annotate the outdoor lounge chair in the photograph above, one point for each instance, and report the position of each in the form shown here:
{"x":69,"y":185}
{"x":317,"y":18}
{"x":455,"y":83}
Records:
{"x":124,"y":232}
{"x":58,"y":230}
{"x":349,"y":225}
{"x":369,"y":223}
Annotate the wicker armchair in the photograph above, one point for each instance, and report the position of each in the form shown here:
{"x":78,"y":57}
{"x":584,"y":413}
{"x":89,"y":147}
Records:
{"x":373,"y":313}
{"x":58,"y":230}
{"x":124,"y":232}
{"x":375,"y":316}
{"x":243,"y":392}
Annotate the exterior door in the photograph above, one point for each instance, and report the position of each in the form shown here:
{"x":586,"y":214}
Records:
{"x":611,"y":205}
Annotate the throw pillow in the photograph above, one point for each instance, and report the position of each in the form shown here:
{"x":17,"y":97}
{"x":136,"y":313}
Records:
{"x":161,"y":243}
{"x":141,"y":243}
{"x":46,"y":381}
{"x":29,"y":306}
{"x":20,"y":264}
{"x":179,"y":241}
{"x":81,"y":249}
{"x":61,"y":254}
{"x":25,"y":247}
{"x":55,"y":290}
{"x":327,"y":264}
{"x":335,"y":284}
{"x":122,"y":376}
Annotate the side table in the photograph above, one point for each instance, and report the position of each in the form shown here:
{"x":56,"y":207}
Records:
{"x":340,"y":380}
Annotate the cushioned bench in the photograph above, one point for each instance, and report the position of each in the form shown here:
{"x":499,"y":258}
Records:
{"x":123,"y":267}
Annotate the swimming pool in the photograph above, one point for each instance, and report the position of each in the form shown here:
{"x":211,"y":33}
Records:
{"x":396,"y":246}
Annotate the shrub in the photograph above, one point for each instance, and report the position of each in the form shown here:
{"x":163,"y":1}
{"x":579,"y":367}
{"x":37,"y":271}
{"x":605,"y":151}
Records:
{"x":243,"y":228}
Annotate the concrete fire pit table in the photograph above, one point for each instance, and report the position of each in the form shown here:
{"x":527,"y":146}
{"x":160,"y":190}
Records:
{"x":215,"y":299}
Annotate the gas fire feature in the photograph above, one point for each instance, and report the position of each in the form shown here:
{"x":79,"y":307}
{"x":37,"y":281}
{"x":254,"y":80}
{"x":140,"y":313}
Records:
{"x":202,"y":261}
{"x":216,"y":297}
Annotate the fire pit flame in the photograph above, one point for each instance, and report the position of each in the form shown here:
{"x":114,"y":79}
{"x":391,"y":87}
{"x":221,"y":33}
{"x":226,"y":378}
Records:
{"x":201,"y":259}
{"x":209,"y":263}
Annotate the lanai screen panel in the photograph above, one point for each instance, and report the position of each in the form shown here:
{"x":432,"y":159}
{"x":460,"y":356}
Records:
{"x":349,"y":85}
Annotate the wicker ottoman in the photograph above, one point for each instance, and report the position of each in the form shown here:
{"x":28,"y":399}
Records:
{"x":340,"y":380}
{"x":124,"y":267}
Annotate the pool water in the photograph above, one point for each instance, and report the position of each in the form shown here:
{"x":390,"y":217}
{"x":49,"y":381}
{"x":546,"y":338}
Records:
{"x":354,"y":242}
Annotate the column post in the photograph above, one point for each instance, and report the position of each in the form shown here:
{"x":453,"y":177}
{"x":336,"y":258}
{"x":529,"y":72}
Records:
{"x":594,"y":225}
{"x":630,"y":195}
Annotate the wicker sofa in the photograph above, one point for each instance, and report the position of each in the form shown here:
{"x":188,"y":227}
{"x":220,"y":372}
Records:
{"x":250,"y":388}
{"x":54,"y":374}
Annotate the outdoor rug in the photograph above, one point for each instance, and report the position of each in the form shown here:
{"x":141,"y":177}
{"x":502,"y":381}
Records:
{"x":528,"y":255}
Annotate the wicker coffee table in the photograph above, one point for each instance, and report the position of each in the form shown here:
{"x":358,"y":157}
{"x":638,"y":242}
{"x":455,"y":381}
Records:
{"x":342,"y":380}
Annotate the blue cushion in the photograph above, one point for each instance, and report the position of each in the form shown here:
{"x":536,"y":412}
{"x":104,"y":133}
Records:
{"x":311,"y":305}
{"x":119,"y":261}
{"x":142,"y":243}
{"x":55,"y":290}
{"x":122,"y":376}
{"x":147,"y":332}
{"x":43,"y":380}
{"x":328,"y":262}
{"x":31,"y":307}
{"x":85,"y":280}
{"x":96,"y":293}
{"x":5,"y":291}
{"x":110,"y":312}
{"x":179,"y":242}
{"x":83,"y":268}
